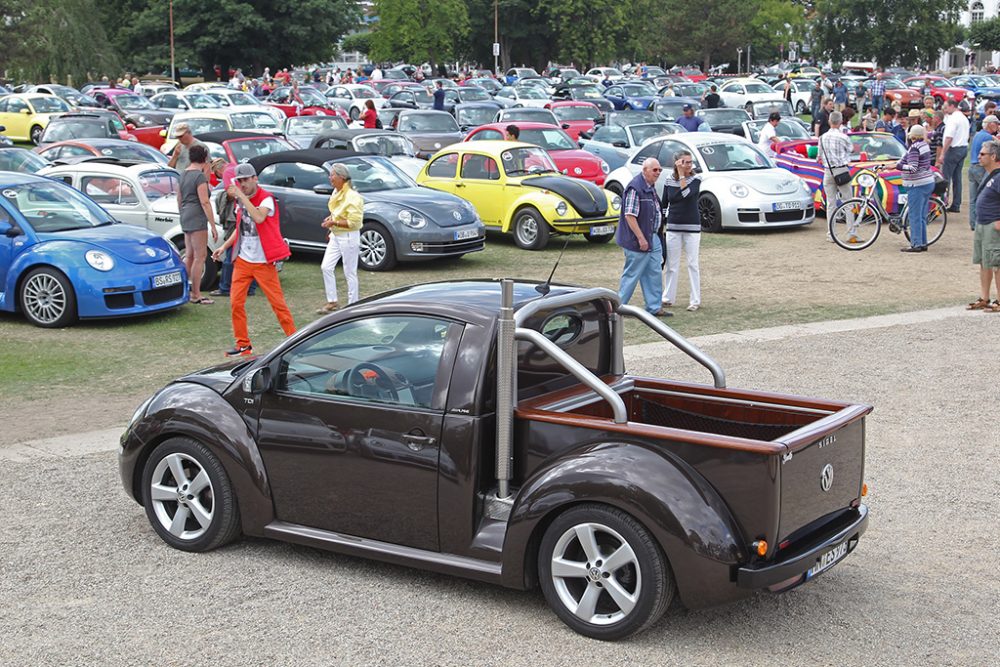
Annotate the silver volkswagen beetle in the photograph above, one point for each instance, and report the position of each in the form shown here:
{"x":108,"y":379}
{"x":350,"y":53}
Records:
{"x":741,"y":186}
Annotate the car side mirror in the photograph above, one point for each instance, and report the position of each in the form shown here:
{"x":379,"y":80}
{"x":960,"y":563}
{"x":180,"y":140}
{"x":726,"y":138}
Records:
{"x":565,"y":126}
{"x":25,"y":112}
{"x":258,"y":381}
{"x":129,"y":126}
{"x":9,"y":230}
{"x":323,"y":189}
{"x":3,"y":128}
{"x":620,"y":144}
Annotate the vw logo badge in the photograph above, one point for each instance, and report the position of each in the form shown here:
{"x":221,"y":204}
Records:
{"x":826,"y":477}
{"x":456,"y":215}
{"x":150,"y":252}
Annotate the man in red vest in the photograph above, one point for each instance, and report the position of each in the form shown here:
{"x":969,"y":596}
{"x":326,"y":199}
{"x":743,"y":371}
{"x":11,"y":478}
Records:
{"x":259,"y":246}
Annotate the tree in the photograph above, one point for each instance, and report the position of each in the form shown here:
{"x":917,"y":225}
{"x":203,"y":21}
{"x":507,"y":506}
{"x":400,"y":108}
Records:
{"x":986,"y":35}
{"x":704,"y":31}
{"x":586,"y":32}
{"x":893,"y":32}
{"x":525,"y":35}
{"x":357,"y":41}
{"x":419,"y":30}
{"x":775,"y":23}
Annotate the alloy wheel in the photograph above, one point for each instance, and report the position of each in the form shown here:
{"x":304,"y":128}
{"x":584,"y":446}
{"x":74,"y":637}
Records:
{"x":182,"y":495}
{"x":373,"y":248}
{"x":527,"y":229}
{"x":44,"y":297}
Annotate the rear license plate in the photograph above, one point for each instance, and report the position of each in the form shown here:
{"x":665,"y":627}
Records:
{"x":167,"y":279}
{"x":786,"y":205}
{"x":602,"y":230}
{"x":827,"y":560}
{"x":466,"y":234}
{"x":902,"y":198}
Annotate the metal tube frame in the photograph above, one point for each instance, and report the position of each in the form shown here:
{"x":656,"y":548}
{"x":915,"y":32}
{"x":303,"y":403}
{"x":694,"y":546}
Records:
{"x":506,"y":386}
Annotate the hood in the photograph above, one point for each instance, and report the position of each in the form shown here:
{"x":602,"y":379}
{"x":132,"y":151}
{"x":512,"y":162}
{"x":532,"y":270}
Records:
{"x":127,"y":242}
{"x":770,"y":181}
{"x":217,"y":377}
{"x":588,"y":199}
{"x":441,"y":208}
{"x":569,"y":161}
{"x":432,"y":142}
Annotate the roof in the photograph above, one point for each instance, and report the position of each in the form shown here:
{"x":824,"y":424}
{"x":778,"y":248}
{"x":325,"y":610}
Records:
{"x":107,"y":165}
{"x":571,"y":103}
{"x":351,"y":132}
{"x":315,"y":156}
{"x":519,"y":124}
{"x":219,"y":137}
{"x":488,"y":146}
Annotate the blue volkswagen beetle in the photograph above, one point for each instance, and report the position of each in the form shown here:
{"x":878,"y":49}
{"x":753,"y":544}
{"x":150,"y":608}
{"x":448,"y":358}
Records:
{"x":63,"y":257}
{"x":631,"y":95}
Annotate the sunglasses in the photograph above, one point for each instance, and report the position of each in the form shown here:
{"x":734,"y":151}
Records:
{"x":657,"y":169}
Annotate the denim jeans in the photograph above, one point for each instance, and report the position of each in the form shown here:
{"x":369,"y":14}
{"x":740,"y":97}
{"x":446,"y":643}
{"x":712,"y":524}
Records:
{"x":976,"y":176}
{"x":918,"y":199}
{"x":643,"y":269}
{"x":951,"y":169}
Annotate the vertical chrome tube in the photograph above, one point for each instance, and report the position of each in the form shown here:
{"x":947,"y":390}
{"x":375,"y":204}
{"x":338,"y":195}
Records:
{"x":617,"y":323}
{"x":506,"y":386}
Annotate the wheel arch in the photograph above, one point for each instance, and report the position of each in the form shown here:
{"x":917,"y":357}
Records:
{"x":536,"y":200}
{"x":679,"y":508}
{"x":27,"y":262}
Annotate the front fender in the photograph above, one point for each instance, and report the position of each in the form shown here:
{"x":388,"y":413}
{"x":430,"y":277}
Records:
{"x":678,"y":506}
{"x":185,"y":409}
{"x":544,"y":203}
{"x":65,"y":256}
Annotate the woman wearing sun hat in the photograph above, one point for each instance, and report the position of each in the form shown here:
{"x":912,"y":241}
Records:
{"x":918,"y":179}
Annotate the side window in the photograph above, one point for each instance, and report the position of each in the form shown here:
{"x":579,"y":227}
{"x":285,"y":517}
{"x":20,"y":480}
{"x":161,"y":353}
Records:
{"x":71,"y":151}
{"x":666,"y":153}
{"x":109,"y":190}
{"x":16,"y":106}
{"x":3,"y":105}
{"x":486,"y":135}
{"x":444,"y":166}
{"x":298,"y":175}
{"x":480,"y":167}
{"x":389,"y":359}
{"x":614,"y":90}
{"x":652,"y":150}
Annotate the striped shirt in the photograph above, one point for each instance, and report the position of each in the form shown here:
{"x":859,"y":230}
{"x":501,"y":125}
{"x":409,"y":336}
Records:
{"x":682,"y":211}
{"x":916,"y":164}
{"x":835,"y":149}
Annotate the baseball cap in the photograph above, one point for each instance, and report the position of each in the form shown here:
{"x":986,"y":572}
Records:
{"x":180,"y":129}
{"x":244,"y":170}
{"x":687,"y":107}
{"x":991,"y":119}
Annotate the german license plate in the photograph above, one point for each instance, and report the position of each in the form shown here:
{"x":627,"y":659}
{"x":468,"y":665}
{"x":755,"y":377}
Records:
{"x":466,"y":234}
{"x":827,"y":560}
{"x":602,"y":230}
{"x":902,"y":197}
{"x":167,"y":279}
{"x":786,"y":205}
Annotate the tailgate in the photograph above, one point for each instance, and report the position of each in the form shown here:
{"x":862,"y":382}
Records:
{"x":823,"y":470}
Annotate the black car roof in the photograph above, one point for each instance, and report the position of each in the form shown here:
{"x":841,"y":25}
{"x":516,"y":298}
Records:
{"x":351,"y":132}
{"x":314,"y":156}
{"x":219,"y":137}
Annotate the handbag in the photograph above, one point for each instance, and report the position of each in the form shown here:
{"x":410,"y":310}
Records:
{"x":841,"y":175}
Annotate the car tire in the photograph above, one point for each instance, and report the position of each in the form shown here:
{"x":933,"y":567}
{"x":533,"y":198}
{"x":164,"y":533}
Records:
{"x":211,"y":271}
{"x":188,"y":497}
{"x":595,"y":599}
{"x":47,"y":299}
{"x":800,"y":108}
{"x":377,"y":250}
{"x":748,"y":107}
{"x":36,"y":134}
{"x":355,"y":113}
{"x":531,"y":232}
{"x":710,"y":213}
{"x":615,"y":188}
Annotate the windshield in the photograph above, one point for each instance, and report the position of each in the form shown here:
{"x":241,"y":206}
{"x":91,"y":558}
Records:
{"x":530,"y":93}
{"x":48,"y":105}
{"x":475,"y":116}
{"x":253,"y":120}
{"x":244,"y":149}
{"x":132,"y":102}
{"x":74,"y":129}
{"x":894,"y":85}
{"x":311,"y":97}
{"x":384,"y":144}
{"x":473,"y":95}
{"x":157,"y":184}
{"x":375,"y":175}
{"x":201,"y":101}
{"x":18,"y":159}
{"x":132,"y":150}
{"x":551,"y":140}
{"x":79,"y":99}
{"x":576,"y":113}
{"x":525,"y":160}
{"x":689,"y":89}
{"x":876,"y":147}
{"x":787,"y":129}
{"x":530,"y":115}
{"x":365,"y":93}
{"x":724,"y":116}
{"x":735,"y":156}
{"x":764,"y":109}
{"x":421,"y":95}
{"x":639,"y":90}
{"x":668,"y":109}
{"x":206,"y":125}
{"x":611,"y":71}
{"x":757,"y":88}
{"x":644,"y":131}
{"x":428,"y":122}
{"x":298,"y":126}
{"x":625,"y":118}
{"x":55,"y":207}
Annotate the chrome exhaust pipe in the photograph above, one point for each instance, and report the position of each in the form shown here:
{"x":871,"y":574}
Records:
{"x":506,"y":386}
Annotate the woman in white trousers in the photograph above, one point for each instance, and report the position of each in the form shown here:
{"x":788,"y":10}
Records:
{"x":344,"y":222}
{"x":683,"y":228}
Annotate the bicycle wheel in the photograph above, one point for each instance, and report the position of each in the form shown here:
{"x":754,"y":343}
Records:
{"x":937,"y":219}
{"x":855,"y":224}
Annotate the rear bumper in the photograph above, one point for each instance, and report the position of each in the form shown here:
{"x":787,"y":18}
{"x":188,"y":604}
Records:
{"x":791,"y":572}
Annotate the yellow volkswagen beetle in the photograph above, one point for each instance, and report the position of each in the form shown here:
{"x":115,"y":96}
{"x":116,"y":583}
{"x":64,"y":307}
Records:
{"x":25,"y":116}
{"x":516,"y":188}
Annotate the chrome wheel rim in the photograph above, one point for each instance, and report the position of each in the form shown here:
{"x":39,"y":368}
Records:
{"x":373,"y":248}
{"x":44,"y":298}
{"x":527,"y":229}
{"x":596,"y":574}
{"x":183,"y":497}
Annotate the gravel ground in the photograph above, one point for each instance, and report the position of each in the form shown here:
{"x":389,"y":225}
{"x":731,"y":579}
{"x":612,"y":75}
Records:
{"x":87,"y":582}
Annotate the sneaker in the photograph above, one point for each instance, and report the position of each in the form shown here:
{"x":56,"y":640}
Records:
{"x":693,"y":307}
{"x":240,"y":351}
{"x":218,"y":292}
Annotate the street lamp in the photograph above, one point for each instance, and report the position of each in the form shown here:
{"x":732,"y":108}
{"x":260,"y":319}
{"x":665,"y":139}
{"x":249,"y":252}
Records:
{"x":739,"y":59}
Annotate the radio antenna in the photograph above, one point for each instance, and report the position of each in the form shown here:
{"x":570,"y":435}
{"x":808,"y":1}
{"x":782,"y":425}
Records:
{"x":545,"y":287}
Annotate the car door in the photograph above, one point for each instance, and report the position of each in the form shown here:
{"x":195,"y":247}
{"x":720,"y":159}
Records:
{"x":479,"y":183}
{"x":302,"y":210}
{"x":616,"y":96}
{"x":350,"y":433}
{"x":17,"y":119}
{"x":441,"y":172}
{"x":116,"y":195}
{"x":8,"y":245}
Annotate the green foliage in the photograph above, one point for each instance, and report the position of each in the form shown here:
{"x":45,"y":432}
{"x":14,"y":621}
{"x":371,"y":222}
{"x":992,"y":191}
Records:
{"x":986,"y":35}
{"x":892,"y":32}
{"x":419,"y":30}
{"x":705,"y":31}
{"x":357,"y":41}
{"x":587,"y":32}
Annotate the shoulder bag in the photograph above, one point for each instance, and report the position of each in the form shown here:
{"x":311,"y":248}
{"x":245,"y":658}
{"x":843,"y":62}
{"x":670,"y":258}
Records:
{"x":841,"y":175}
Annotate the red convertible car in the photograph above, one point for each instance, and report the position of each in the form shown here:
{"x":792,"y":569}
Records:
{"x":569,"y":158}
{"x":576,"y":117}
{"x":940,"y":88}
{"x":313,"y":103}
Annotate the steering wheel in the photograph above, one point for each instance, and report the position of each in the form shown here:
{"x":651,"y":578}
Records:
{"x":368,"y":380}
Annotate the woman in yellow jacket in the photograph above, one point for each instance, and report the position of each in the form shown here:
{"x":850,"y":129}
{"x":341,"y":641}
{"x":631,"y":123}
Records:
{"x":344,"y":222}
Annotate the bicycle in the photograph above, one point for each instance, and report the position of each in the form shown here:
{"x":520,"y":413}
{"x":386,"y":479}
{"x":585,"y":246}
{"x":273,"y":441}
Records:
{"x":857,"y":222}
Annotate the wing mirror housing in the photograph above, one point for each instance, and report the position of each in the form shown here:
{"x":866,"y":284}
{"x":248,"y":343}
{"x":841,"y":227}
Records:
{"x":257,"y":381}
{"x":25,"y":112}
{"x":620,"y":144}
{"x":323,"y":189}
{"x":565,"y":126}
{"x":9,"y":229}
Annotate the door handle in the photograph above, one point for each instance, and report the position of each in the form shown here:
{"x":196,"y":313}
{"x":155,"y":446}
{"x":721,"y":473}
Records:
{"x":459,"y":185}
{"x":418,"y":442}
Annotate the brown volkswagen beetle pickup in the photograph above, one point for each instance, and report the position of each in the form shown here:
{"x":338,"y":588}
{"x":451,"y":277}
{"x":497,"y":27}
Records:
{"x":489,"y":429}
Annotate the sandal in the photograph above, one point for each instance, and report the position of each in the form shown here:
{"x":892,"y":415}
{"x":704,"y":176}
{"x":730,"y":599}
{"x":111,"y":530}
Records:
{"x":978,"y":304}
{"x":203,"y":301}
{"x":994,"y":307}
